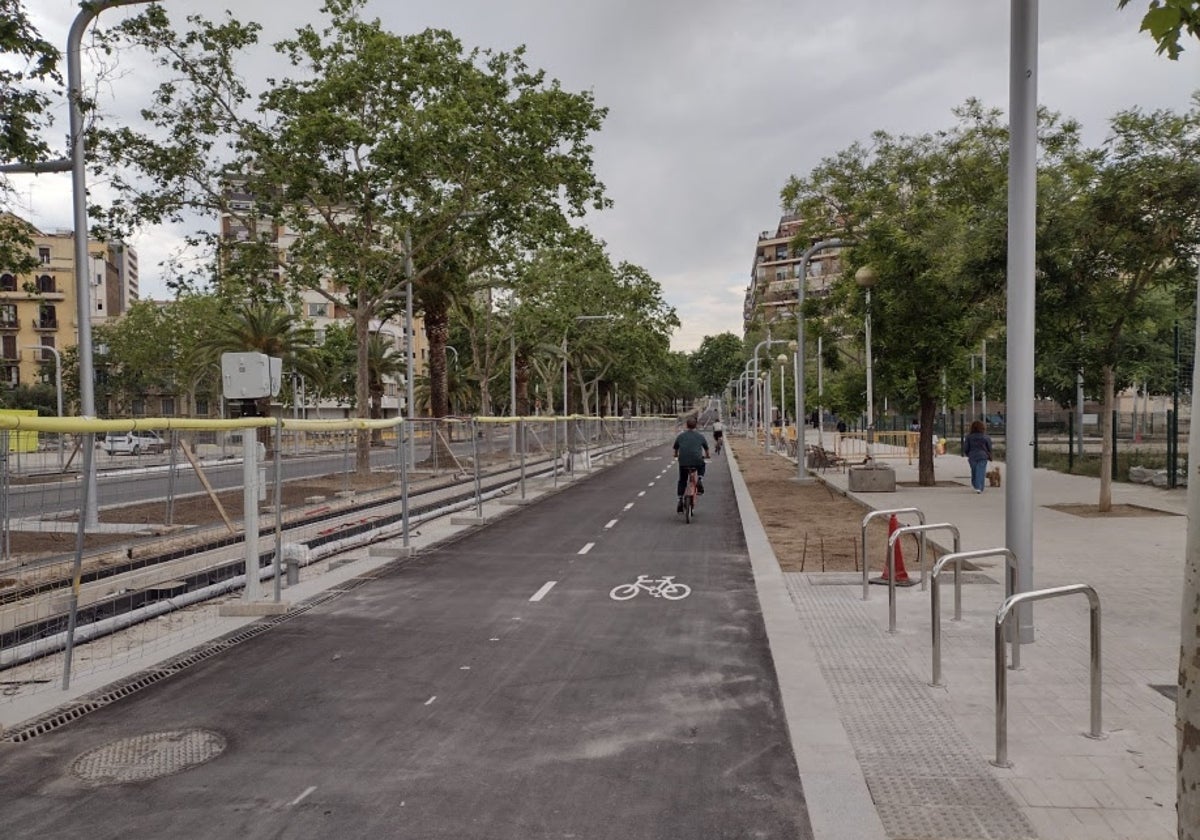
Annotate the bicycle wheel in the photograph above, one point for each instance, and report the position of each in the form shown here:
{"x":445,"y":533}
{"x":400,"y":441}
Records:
{"x":675,"y":591}
{"x":689,"y":503}
{"x":623,"y":592}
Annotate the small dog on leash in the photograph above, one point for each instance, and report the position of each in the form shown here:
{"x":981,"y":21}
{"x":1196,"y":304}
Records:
{"x":993,"y":477}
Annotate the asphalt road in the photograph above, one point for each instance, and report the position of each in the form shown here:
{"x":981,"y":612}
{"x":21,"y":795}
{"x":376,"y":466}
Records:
{"x":489,"y":689}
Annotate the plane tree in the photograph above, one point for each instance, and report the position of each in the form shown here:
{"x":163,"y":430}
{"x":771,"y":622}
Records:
{"x":373,"y":145}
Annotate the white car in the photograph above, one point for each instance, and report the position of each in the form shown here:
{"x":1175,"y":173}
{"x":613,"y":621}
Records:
{"x":134,"y":443}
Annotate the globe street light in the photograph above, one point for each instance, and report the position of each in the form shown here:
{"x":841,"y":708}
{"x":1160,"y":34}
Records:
{"x":866,"y":278}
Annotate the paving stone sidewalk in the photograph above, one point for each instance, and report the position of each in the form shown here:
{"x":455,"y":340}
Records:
{"x":924,"y":752}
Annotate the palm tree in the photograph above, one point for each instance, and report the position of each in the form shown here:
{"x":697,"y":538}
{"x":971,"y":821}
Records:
{"x":263,"y":327}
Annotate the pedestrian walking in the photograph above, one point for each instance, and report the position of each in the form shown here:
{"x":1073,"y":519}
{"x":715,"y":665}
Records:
{"x":978,"y":449}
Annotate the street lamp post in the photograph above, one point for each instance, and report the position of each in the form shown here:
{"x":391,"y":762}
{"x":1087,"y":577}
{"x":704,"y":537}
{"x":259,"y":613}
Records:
{"x":58,"y":389}
{"x":801,"y":283}
{"x":866,"y":278}
{"x":410,"y":401}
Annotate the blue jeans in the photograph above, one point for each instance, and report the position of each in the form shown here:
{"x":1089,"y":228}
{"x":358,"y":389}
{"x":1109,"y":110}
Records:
{"x":683,"y":471}
{"x":978,"y":474}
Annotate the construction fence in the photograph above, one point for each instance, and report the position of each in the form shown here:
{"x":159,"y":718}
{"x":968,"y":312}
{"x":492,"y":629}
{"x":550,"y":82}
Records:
{"x":132,"y":534}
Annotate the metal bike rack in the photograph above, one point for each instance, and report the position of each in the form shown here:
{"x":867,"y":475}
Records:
{"x":935,"y":597}
{"x":872,"y":515}
{"x":1002,"y":614}
{"x":893,"y":538}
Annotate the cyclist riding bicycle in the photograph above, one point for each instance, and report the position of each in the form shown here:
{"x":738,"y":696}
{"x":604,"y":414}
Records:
{"x":691,"y":449}
{"x":718,"y":434}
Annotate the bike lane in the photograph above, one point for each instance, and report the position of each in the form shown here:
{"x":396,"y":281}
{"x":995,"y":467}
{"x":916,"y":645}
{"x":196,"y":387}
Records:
{"x":492,"y":688}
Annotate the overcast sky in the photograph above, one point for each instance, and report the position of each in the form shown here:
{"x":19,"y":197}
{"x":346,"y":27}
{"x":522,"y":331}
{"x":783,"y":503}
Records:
{"x":713,"y":105}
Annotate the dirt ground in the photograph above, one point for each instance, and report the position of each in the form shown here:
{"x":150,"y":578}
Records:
{"x":811,"y":528}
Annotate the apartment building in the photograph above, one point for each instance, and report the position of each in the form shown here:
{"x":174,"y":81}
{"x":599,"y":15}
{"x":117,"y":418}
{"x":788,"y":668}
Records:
{"x":773,"y":283}
{"x":239,"y":224}
{"x":40,"y":309}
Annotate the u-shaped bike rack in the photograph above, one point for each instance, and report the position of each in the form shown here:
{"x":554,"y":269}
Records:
{"x":1002,"y":614}
{"x":872,"y":515}
{"x":935,"y":596}
{"x":891,"y":559}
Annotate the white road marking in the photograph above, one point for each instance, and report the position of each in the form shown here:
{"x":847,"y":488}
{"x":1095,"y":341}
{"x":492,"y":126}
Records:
{"x":429,"y":702}
{"x":541,"y":593}
{"x":643,"y":493}
{"x":494,"y":639}
{"x":651,"y":484}
{"x":611,"y":523}
{"x":628,"y":506}
{"x":586,"y":548}
{"x":464,"y":667}
{"x":301,"y":797}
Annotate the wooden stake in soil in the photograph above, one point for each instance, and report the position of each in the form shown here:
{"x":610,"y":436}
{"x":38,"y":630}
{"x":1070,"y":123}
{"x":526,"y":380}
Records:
{"x":804,"y":554}
{"x":855,"y":539}
{"x":822,"y":552}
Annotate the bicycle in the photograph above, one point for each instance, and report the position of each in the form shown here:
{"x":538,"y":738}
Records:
{"x":690,"y":492}
{"x":664,"y":587}
{"x":720,"y":445}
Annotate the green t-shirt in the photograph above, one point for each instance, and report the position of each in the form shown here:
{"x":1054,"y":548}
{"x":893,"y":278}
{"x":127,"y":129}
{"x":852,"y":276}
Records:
{"x":690,"y":446}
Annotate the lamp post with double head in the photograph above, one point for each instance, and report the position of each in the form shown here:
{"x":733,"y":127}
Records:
{"x":866,"y":279}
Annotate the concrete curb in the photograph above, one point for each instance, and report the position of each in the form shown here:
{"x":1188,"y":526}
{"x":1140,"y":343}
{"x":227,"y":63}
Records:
{"x":840,"y":806}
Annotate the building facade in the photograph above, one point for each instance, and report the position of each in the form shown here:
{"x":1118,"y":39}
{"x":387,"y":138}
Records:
{"x":773,"y":286}
{"x":40,"y":309}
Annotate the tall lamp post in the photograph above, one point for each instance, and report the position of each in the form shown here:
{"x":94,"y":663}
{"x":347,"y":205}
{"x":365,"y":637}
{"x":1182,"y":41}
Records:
{"x":866,"y":278}
{"x":57,"y":388}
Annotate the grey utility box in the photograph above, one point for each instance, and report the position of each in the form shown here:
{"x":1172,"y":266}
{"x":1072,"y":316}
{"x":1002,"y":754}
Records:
{"x":872,"y":478}
{"x":249,"y":376}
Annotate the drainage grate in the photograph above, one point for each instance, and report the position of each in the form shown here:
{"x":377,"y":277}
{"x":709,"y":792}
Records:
{"x":149,"y":756}
{"x":98,"y":700}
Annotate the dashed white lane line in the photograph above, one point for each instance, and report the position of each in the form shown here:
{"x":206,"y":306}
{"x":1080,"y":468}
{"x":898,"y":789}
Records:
{"x":643,"y":493}
{"x":628,"y":506}
{"x":651,"y":484}
{"x":541,"y":593}
{"x":302,"y":796}
{"x":609,"y":524}
{"x":587,"y":548}
{"x":429,"y":702}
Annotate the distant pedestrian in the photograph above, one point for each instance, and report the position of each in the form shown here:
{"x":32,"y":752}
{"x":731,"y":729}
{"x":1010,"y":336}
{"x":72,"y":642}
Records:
{"x":841,"y":427}
{"x":978,"y":449}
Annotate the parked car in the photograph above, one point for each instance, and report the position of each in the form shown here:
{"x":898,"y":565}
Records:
{"x":134,"y":443}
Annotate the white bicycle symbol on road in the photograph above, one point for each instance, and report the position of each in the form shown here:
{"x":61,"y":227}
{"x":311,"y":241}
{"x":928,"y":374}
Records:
{"x":664,"y":587}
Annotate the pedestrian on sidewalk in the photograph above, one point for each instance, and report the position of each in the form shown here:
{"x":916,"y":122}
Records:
{"x":978,"y":449}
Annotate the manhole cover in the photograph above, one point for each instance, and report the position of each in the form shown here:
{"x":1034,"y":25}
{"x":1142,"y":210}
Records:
{"x":148,"y":756}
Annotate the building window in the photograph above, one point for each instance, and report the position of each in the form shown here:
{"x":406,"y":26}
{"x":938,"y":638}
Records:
{"x":48,"y":341}
{"x":8,"y":283}
{"x":201,"y":408}
{"x":47,"y":318}
{"x":44,"y":256}
{"x":168,"y":406}
{"x":8,"y":315}
{"x":139,"y":408}
{"x":12,"y":375}
{"x":45,"y":283}
{"x":318,"y":310}
{"x":8,"y":347}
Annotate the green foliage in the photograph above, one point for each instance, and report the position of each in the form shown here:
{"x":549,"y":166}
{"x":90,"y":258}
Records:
{"x":719,"y":359}
{"x":1168,"y":21}
{"x":38,"y":395}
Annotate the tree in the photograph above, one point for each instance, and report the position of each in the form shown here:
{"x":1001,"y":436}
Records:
{"x":381,"y":139}
{"x":25,"y":106}
{"x":1121,"y":253}
{"x":1168,"y":21}
{"x":718,"y":359}
{"x":927,"y":212}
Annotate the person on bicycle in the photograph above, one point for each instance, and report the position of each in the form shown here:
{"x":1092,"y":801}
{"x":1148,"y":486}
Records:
{"x":718,"y":433}
{"x":691,"y":449}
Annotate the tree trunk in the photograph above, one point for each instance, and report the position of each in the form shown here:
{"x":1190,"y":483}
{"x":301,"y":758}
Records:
{"x":925,"y":471}
{"x":362,"y":390}
{"x":1187,"y":704}
{"x":521,"y":400}
{"x":1106,"y":430}
{"x":437,"y":330}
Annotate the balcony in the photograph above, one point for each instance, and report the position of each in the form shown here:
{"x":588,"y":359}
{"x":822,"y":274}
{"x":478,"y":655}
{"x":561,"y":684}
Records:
{"x":10,"y":324}
{"x":48,"y":324}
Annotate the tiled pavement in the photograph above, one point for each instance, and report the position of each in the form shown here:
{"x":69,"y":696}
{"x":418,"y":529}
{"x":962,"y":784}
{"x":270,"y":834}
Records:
{"x":924,"y":752}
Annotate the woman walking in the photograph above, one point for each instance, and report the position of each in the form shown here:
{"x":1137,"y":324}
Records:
{"x":978,"y":449}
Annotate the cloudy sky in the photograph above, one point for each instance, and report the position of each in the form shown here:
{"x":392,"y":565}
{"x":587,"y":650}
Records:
{"x":712,"y":105}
